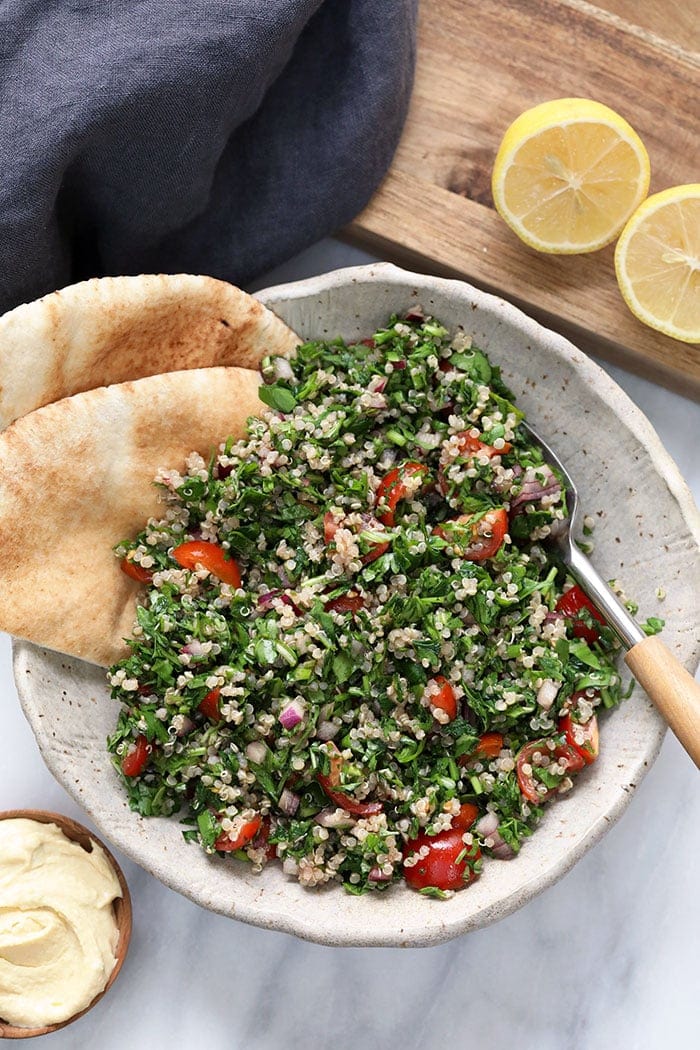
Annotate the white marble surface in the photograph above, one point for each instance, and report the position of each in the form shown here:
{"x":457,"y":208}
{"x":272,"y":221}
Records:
{"x":608,"y":957}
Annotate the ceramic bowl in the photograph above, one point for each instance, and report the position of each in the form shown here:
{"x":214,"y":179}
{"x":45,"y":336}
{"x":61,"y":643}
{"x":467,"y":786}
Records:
{"x":647,"y":535}
{"x":122,"y":912}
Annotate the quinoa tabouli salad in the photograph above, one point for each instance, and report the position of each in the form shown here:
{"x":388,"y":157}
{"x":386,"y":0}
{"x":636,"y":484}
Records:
{"x":355,"y":654}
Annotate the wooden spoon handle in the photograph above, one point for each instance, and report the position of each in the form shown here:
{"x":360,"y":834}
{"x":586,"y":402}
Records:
{"x":674,"y":691}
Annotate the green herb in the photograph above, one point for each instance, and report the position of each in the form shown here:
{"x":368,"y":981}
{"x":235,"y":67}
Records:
{"x":363,"y":601}
{"x":208,"y":828}
{"x":653,"y":625}
{"x":278,"y":396}
{"x":435,"y":893}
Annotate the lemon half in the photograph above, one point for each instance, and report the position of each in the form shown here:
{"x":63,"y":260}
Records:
{"x":568,"y":175}
{"x":657,"y":262}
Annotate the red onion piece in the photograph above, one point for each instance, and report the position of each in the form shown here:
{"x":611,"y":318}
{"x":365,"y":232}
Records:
{"x":501,"y":485}
{"x":377,"y":875}
{"x":256,"y":752}
{"x":290,"y":601}
{"x":399,"y":365}
{"x":415,"y":313}
{"x":376,"y":384}
{"x":289,"y":802}
{"x":194,"y":648}
{"x":533,"y":494}
{"x":327,"y":731}
{"x":487,"y":825}
{"x":186,"y":726}
{"x":547,"y":693}
{"x":503,"y":852}
{"x":265,"y":599}
{"x":281,"y":368}
{"x":291,"y":715}
{"x":289,"y":866}
{"x":535,"y":487}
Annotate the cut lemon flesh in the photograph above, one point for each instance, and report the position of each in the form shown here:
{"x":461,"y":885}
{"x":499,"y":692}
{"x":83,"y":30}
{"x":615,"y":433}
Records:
{"x":568,"y":175}
{"x":657,"y":262}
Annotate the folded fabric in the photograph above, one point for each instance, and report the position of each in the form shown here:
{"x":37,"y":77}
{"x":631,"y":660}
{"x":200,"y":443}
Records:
{"x":190,"y":135}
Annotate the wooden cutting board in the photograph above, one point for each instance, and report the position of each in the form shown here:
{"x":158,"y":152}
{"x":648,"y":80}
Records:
{"x":479,"y":65}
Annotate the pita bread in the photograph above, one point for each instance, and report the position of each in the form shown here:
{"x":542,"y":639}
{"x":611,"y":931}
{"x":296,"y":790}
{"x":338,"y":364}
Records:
{"x":76,"y":478}
{"x":114,"y":329}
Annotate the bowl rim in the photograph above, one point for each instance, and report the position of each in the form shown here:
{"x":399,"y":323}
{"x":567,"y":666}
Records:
{"x":121,"y":906}
{"x":300,"y":922}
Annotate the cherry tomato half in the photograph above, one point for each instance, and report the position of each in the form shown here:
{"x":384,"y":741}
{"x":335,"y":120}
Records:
{"x":591,"y":695}
{"x":582,"y":736}
{"x":484,"y":535}
{"x":472,"y":445}
{"x":468,"y":813}
{"x":445,"y":698}
{"x":135,"y":571}
{"x":245,"y":834}
{"x":350,"y":805}
{"x":395,"y":486}
{"x":211,"y":556}
{"x":331,"y":524}
{"x":350,"y":602}
{"x":528,"y":783}
{"x":136,"y":759}
{"x":468,"y":446}
{"x":336,"y":768}
{"x":571,"y":603}
{"x":376,"y":552}
{"x":449,"y":864}
{"x":330,"y":783}
{"x":210,"y":705}
{"x":490,"y":745}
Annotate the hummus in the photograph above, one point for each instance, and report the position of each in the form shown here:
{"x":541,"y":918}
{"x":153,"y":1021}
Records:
{"x":58,"y":933}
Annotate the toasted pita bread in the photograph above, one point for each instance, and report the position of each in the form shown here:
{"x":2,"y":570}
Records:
{"x":114,"y":329}
{"x":76,"y":478}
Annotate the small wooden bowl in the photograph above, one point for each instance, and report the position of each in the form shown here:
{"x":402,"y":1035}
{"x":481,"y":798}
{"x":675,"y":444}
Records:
{"x":122,"y":911}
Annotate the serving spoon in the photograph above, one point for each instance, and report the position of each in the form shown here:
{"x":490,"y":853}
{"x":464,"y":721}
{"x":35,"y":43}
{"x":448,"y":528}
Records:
{"x":672,"y":689}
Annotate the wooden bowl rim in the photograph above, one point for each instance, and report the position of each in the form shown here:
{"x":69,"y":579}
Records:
{"x":75,"y":831}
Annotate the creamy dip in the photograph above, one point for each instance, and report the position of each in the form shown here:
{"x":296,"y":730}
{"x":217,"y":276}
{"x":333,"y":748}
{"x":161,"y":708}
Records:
{"x":58,"y":933}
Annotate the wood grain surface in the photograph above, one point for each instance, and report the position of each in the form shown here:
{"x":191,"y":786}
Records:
{"x":672,"y":688}
{"x":479,"y":66}
{"x":677,"y":21}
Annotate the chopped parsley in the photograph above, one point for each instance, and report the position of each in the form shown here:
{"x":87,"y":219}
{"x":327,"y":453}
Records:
{"x":396,"y":609}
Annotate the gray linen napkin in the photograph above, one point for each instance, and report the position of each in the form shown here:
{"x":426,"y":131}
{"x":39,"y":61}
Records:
{"x":190,"y":135}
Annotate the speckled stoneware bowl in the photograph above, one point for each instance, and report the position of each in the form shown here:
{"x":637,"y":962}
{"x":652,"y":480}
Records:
{"x":647,"y":534}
